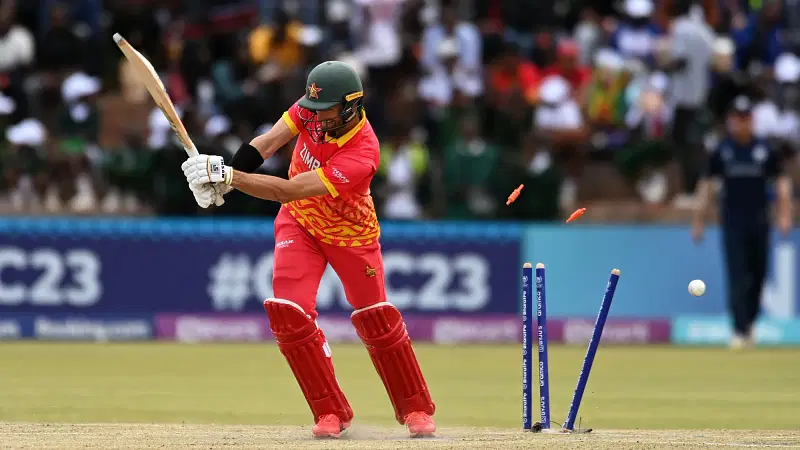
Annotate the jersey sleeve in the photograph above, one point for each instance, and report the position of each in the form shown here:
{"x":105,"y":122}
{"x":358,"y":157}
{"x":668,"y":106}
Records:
{"x":714,"y":166}
{"x":347,"y":169}
{"x":773,"y":167}
{"x":292,"y":119}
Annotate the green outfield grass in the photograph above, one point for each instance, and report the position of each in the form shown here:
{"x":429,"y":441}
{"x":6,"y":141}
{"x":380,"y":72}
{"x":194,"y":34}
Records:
{"x":473,"y":386}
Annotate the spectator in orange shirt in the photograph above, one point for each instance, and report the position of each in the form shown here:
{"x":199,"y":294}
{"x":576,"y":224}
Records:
{"x":568,"y":67}
{"x":511,"y":91}
{"x":514,"y":75}
{"x":278,"y":45}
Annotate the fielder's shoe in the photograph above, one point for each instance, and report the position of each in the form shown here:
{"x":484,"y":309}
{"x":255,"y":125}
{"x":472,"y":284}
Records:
{"x":420,"y":424}
{"x":741,"y":342}
{"x":329,"y":426}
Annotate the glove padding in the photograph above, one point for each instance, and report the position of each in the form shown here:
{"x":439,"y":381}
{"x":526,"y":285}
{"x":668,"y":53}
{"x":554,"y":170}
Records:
{"x":205,"y":169}
{"x":206,"y":194}
{"x":221,"y":189}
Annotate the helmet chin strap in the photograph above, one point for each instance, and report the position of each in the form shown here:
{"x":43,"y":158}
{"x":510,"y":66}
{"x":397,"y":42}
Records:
{"x":352,"y":115}
{"x":345,"y":128}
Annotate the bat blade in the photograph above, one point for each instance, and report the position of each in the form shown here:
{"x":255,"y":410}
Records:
{"x":148,"y":76}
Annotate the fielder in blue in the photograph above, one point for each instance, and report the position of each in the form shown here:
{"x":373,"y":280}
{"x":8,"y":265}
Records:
{"x":747,"y":166}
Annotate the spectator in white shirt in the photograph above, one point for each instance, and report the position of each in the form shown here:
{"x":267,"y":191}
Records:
{"x":25,"y":165}
{"x":449,"y":27}
{"x":377,"y":25}
{"x":787,"y":74}
{"x":16,"y":55}
{"x":16,"y":42}
{"x":641,"y":161}
{"x":765,"y":118}
{"x":691,"y":48}
{"x":381,"y":45}
{"x":559,"y":124}
{"x":766,"y":113}
{"x":439,"y":86}
{"x":588,"y":35}
{"x":635,"y":36}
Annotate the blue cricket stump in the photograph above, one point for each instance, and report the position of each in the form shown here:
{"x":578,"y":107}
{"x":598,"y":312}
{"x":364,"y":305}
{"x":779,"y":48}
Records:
{"x":544,"y":371}
{"x":527,"y":345}
{"x":588,"y":360}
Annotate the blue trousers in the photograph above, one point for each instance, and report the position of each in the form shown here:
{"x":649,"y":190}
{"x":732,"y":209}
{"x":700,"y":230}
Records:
{"x":746,"y":250}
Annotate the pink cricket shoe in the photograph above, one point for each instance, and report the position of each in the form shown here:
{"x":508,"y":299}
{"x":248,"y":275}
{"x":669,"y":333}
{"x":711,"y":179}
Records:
{"x":329,"y":426}
{"x":420,"y":424}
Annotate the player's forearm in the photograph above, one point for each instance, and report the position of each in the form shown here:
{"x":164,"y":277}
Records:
{"x":703,"y":197}
{"x":784,"y":190}
{"x":301,"y":186}
{"x":265,"y":187}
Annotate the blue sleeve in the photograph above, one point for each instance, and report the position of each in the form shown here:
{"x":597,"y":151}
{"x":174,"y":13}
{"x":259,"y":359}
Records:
{"x":772,"y":167}
{"x":613,"y":40}
{"x":714,"y":166}
{"x":743,"y":36}
{"x":656,"y":30}
{"x":742,"y":40}
{"x":774,"y":49}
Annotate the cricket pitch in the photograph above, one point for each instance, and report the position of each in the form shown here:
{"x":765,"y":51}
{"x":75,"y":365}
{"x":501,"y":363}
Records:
{"x":173,"y":436}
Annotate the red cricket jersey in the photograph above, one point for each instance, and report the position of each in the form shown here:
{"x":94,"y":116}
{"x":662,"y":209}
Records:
{"x":346,"y":217}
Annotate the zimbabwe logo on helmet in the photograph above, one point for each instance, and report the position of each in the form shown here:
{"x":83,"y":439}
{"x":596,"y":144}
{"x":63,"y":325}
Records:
{"x":313,"y":90}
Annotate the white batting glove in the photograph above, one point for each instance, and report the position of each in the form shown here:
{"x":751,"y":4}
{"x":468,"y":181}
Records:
{"x":222,"y":188}
{"x":205,"y":195}
{"x":205,"y":169}
{"x":204,"y":192}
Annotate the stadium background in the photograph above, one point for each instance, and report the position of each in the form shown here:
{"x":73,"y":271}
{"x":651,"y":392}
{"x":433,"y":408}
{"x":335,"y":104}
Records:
{"x":110,"y":245}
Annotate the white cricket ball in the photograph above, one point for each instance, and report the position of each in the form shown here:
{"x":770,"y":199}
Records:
{"x":697,"y":288}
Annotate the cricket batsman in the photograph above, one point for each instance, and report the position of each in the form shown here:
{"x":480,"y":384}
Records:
{"x":327,"y":216}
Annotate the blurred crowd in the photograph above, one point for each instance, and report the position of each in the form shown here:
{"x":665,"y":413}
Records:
{"x":578,"y":100}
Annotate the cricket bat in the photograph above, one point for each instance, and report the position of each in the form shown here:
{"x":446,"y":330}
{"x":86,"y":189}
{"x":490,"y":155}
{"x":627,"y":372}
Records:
{"x":147,"y":74}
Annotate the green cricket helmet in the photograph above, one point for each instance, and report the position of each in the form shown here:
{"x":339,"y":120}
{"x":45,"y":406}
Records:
{"x":329,"y":84}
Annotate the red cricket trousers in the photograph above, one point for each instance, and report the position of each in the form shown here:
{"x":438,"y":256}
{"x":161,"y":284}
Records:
{"x":300,"y":261}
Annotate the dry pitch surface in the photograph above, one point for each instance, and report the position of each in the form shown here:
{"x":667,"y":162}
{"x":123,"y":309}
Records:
{"x":146,"y":436}
{"x":168,"y":396}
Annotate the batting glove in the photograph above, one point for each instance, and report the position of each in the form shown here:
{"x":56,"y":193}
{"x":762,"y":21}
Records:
{"x":205,"y":169}
{"x":205,"y":195}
